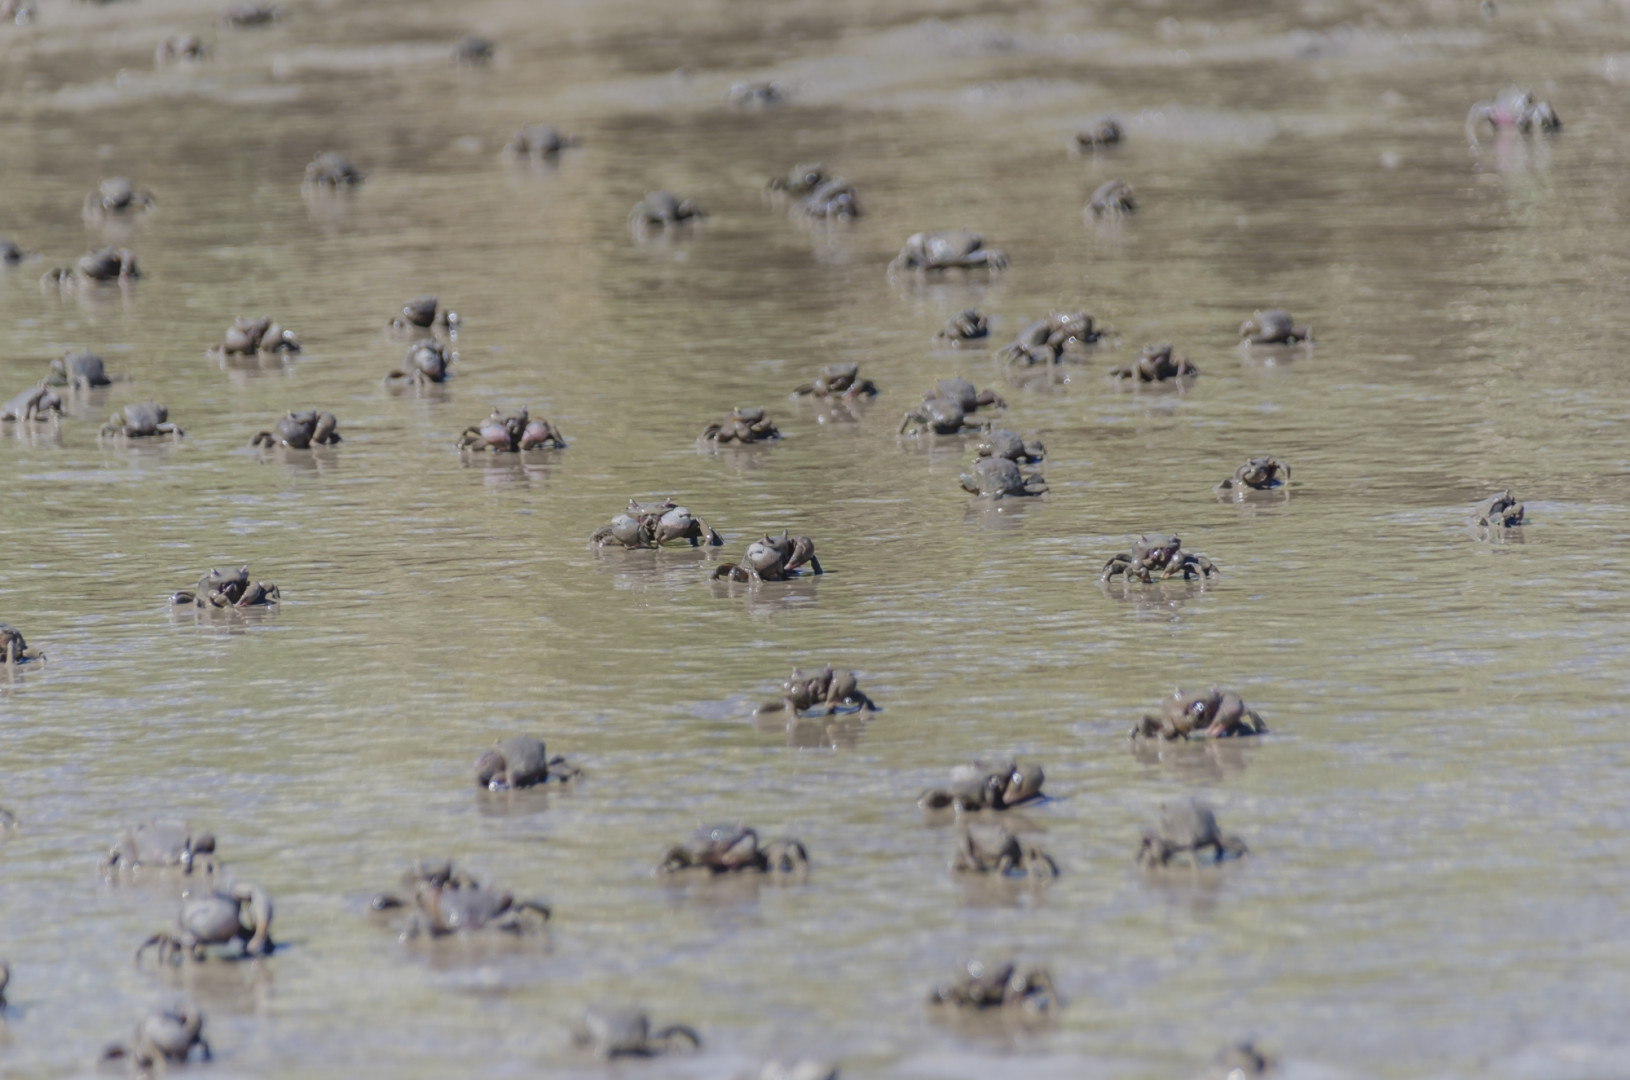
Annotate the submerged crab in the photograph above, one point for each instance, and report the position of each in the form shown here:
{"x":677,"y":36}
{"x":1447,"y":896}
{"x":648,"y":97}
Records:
{"x":999,"y":477}
{"x":298,"y":430}
{"x":163,"y":1038}
{"x":1047,"y":341}
{"x":13,"y":651}
{"x":729,"y":849}
{"x":108,"y":264}
{"x":1155,"y":364}
{"x":824,"y":692}
{"x":540,"y":140}
{"x":963,"y":327}
{"x":241,"y":914}
{"x":422,"y":313}
{"x":426,"y":361}
{"x":81,"y":371}
{"x":650,"y":525}
{"x":141,"y":421}
{"x":116,"y":195}
{"x":1161,"y":557}
{"x":331,"y":170}
{"x":446,"y":903}
{"x":664,"y":208}
{"x":1001,"y":853}
{"x":247,"y":336}
{"x":162,"y":845}
{"x":774,"y":558}
{"x":1218,"y":714}
{"x":744,"y":425}
{"x":512,"y":433}
{"x":986,"y":786}
{"x":1099,"y":133}
{"x":1274,"y":327}
{"x":841,"y":380}
{"x":1500,"y":511}
{"x":944,"y":409}
{"x":1003,"y":985}
{"x":947,"y":250}
{"x":1514,"y":108}
{"x":609,"y":1032}
{"x":1187,"y":828}
{"x":1114,"y":198}
{"x":35,"y":403}
{"x":232,"y":589}
{"x":1259,"y":474}
{"x":521,"y":761}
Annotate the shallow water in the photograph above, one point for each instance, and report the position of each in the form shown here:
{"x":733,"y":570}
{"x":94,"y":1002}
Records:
{"x":1436,"y":878}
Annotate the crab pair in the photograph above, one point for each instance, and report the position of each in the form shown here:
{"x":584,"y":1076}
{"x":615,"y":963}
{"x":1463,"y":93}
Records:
{"x":650,"y":525}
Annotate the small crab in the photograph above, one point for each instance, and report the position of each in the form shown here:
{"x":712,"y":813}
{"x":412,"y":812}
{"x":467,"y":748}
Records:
{"x":609,"y":1032}
{"x":1099,"y":133}
{"x":179,"y":49}
{"x":232,"y":589}
{"x":241,"y":914}
{"x":298,"y":430}
{"x":1155,"y":364}
{"x":837,"y":198}
{"x":445,"y":903}
{"x":13,"y":651}
{"x":521,"y":761}
{"x":1498,"y":511}
{"x":104,"y":265}
{"x":1114,"y":198}
{"x":1513,"y":108}
{"x":986,"y":786}
{"x":116,"y":195}
{"x":663,"y":208}
{"x":1001,"y":853}
{"x":1187,"y":828}
{"x":1218,"y":714}
{"x":35,"y":403}
{"x":944,"y":409}
{"x":472,"y":50}
{"x":329,"y":169}
{"x":1273,"y":327}
{"x":12,"y":255}
{"x":964,"y":327}
{"x":426,"y":361}
{"x":540,"y":140}
{"x":745,"y":425}
{"x":1002,"y":443}
{"x":1259,"y":474}
{"x":837,"y":380}
{"x":825,"y":692}
{"x":774,"y":558}
{"x":650,"y":525}
{"x":422,"y":313}
{"x":163,"y":1038}
{"x":998,"y":477}
{"x":245,"y":15}
{"x":1161,"y":557}
{"x":141,"y":421}
{"x":1046,"y":341}
{"x":757,"y":95}
{"x":948,"y":250}
{"x":729,"y":849}
{"x":81,"y":371}
{"x":161,"y":845}
{"x":249,"y":335}
{"x":802,"y":180}
{"x":511,"y":433}
{"x":1241,"y":1061}
{"x":1003,"y":985}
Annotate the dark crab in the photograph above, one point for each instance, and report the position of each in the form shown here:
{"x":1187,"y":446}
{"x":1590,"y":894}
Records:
{"x":34,"y":404}
{"x":650,"y":525}
{"x":116,"y":195}
{"x":426,"y":361}
{"x":731,"y":849}
{"x":1003,"y":985}
{"x":179,"y":49}
{"x":944,"y":409}
{"x":13,"y":651}
{"x":1162,"y":557}
{"x":774,"y":558}
{"x":1000,"y":852}
{"x":511,"y":433}
{"x":1099,"y":133}
{"x":1155,"y":364}
{"x":964,"y":327}
{"x":298,"y":430}
{"x":1241,"y":1061}
{"x":521,"y":761}
{"x":140,"y":421}
{"x":947,"y":250}
{"x":161,"y":845}
{"x":422,"y":313}
{"x":841,"y":380}
{"x":986,"y":786}
{"x":999,"y":477}
{"x":331,"y":170}
{"x":1002,"y":443}
{"x":663,"y":208}
{"x":163,"y":1038}
{"x":241,"y":914}
{"x":1187,"y":828}
{"x":1499,"y":511}
{"x":1114,"y":198}
{"x":1215,"y":713}
{"x":12,"y":255}
{"x":472,"y":50}
{"x":249,"y":335}
{"x":1049,"y":340}
{"x":612,"y":1032}
{"x":540,"y":140}
{"x":744,"y":425}
{"x":1274,"y":327}
{"x":1513,"y":109}
{"x":231,"y":589}
{"x":81,"y":371}
{"x":825,"y":693}
{"x":109,"y":264}
{"x":1259,"y":474}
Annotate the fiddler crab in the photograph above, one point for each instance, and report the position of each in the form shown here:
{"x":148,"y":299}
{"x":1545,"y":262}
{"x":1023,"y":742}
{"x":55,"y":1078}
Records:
{"x":161,"y":845}
{"x":837,"y":198}
{"x":81,"y":371}
{"x":231,"y":589}
{"x":1187,"y":828}
{"x":1000,"y":478}
{"x":331,"y":170}
{"x":1241,"y":1061}
{"x":141,"y":421}
{"x":251,"y":14}
{"x":165,"y":1037}
{"x":1114,"y":198}
{"x":298,"y":430}
{"x":825,"y":692}
{"x":1274,"y":327}
{"x":650,"y":525}
{"x":757,"y":95}
{"x":611,"y":1032}
{"x":733,"y":849}
{"x":945,"y":408}
{"x":1498,"y":511}
{"x":1161,"y":557}
{"x":963,"y":327}
{"x":472,"y":50}
{"x":801,"y":180}
{"x":1003,"y":854}
{"x":1259,"y":474}
{"x":444,"y":903}
{"x":540,"y":140}
{"x":13,"y":651}
{"x":1003,"y":985}
{"x":1002,"y":443}
{"x":423,"y":313}
{"x":665,"y":209}
{"x":954,"y":249}
{"x":521,"y":761}
{"x":116,"y":195}
{"x":1099,"y":133}
{"x":240,"y":914}
{"x":1214,"y":713}
{"x":841,"y":380}
{"x":426,"y":361}
{"x":512,"y":433}
{"x":109,"y":264}
{"x":1155,"y":363}
{"x":37,"y":403}
{"x":179,"y":49}
{"x":774,"y":558}
{"x":1049,"y":340}
{"x":744,"y":425}
{"x":1513,"y":109}
{"x":248,"y":336}
{"x":986,"y":786}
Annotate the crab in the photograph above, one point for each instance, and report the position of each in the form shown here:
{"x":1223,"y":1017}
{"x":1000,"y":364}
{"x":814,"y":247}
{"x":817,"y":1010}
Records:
{"x":1259,"y":474}
{"x":1498,"y":511}
{"x":232,"y":589}
{"x":1513,"y":108}
{"x":947,"y":250}
{"x":104,"y":265}
{"x":1274,"y":327}
{"x":825,"y":692}
{"x":247,"y":336}
{"x":512,"y":433}
{"x":1001,"y":853}
{"x":841,"y":380}
{"x":757,"y":95}
{"x":179,"y":49}
{"x":446,"y":903}
{"x":519,"y":762}
{"x":241,"y":914}
{"x":331,"y":170}
{"x":251,"y":14}
{"x":986,"y":786}
{"x":1003,"y":985}
{"x":116,"y":195}
{"x":801,"y":180}
{"x":1099,"y":133}
{"x":837,"y":198}
{"x":12,"y":255}
{"x":81,"y":371}
{"x":37,"y":403}
{"x":731,"y":849}
{"x":540,"y":140}
{"x":665,"y":209}
{"x":963,"y":327}
{"x":1240,"y":1061}
{"x":472,"y":50}
{"x":1047,"y":341}
{"x":141,"y":421}
{"x":1218,"y":714}
{"x":1002,"y":443}
{"x":422,"y":313}
{"x":1114,"y":198}
{"x":163,"y":1038}
{"x":426,"y":361}
{"x":1161,"y":557}
{"x":998,"y":478}
{"x":650,"y":525}
{"x":744,"y":425}
{"x":1187,"y":828}
{"x":162,"y":845}
{"x":13,"y":651}
{"x":1155,"y":364}
{"x":774,"y":558}
{"x":609,"y":1032}
{"x":944,"y":409}
{"x":298,"y":430}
